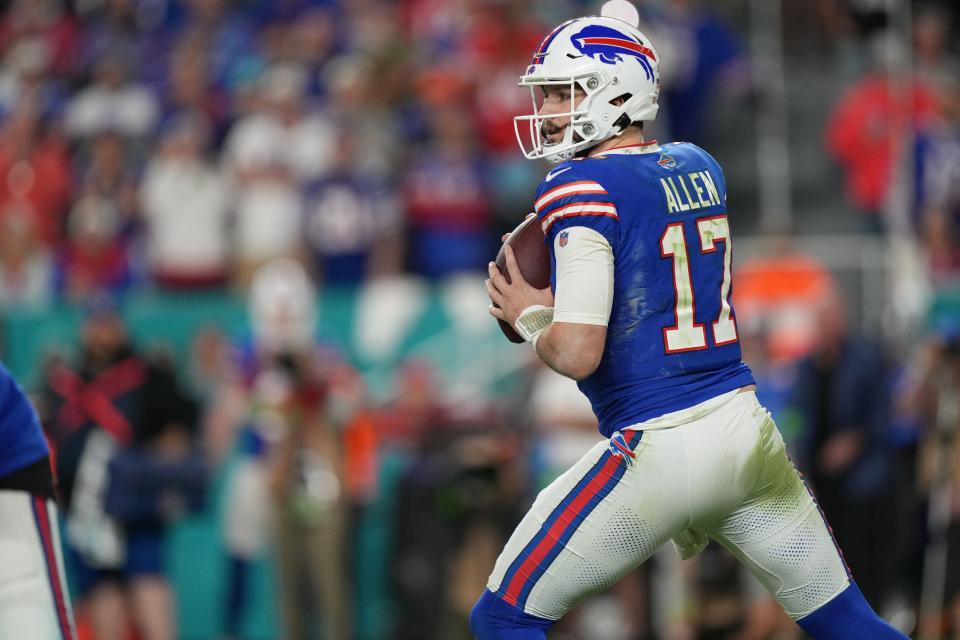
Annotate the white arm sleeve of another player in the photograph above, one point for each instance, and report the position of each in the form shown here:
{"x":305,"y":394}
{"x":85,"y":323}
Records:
{"x":584,"y":291}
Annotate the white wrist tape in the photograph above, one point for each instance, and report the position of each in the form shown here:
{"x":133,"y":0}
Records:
{"x":532,"y":321}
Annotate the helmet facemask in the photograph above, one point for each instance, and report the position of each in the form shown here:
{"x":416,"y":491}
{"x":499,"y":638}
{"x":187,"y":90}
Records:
{"x":591,"y":121}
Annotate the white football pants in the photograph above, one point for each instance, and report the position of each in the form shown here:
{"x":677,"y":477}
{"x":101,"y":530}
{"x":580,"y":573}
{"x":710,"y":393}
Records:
{"x":718,"y":469}
{"x":34,"y":602}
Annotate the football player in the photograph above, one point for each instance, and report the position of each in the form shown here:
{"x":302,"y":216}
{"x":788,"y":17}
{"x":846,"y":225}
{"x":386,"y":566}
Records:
{"x":639,"y":313}
{"x":34,"y":602}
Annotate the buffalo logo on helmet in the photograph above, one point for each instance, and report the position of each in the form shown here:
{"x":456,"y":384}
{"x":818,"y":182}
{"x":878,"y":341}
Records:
{"x":607,"y":45}
{"x":564,"y":238}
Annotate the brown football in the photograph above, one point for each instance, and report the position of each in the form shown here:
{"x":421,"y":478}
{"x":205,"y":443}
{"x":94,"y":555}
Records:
{"x":533,"y":258}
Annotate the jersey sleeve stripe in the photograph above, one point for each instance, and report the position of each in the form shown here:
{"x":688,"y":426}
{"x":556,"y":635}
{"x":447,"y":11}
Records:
{"x":580,"y":209}
{"x":569,"y":189}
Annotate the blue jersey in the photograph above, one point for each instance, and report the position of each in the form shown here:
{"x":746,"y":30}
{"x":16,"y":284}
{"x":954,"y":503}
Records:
{"x":672,"y":339}
{"x":21,"y":438}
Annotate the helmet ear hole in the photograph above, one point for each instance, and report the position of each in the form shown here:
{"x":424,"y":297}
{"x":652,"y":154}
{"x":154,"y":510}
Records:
{"x":621,"y":123}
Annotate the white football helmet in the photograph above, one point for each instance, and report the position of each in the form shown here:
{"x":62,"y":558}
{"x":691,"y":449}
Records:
{"x":606,"y":58}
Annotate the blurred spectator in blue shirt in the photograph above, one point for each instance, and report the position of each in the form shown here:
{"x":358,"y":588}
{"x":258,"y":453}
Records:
{"x":841,"y":398}
{"x":448,"y":199}
{"x":313,"y":40}
{"x":127,"y":29}
{"x":937,"y":186}
{"x":705,"y":62}
{"x":227,"y":32}
{"x":352,"y":222}
{"x":188,"y":86}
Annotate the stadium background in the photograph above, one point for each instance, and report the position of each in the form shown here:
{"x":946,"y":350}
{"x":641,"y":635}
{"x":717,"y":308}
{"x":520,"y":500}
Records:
{"x":155,"y":153}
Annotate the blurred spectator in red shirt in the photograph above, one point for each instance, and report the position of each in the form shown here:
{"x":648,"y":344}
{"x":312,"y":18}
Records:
{"x":865,"y":132}
{"x":94,"y":259}
{"x":415,"y":403}
{"x":501,"y":42}
{"x":185,"y":207}
{"x":502,"y":39}
{"x":47,"y":20}
{"x":34,"y":172}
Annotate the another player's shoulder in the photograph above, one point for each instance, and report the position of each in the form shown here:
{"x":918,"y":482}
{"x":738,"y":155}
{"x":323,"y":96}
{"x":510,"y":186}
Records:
{"x":8,"y":386}
{"x":13,"y":399}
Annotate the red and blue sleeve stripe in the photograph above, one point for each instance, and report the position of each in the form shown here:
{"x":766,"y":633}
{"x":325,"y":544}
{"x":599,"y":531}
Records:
{"x":583,"y":198}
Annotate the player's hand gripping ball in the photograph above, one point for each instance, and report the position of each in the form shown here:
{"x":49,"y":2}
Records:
{"x":533,"y":258}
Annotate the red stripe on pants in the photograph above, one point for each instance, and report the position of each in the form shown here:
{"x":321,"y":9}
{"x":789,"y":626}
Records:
{"x":53,"y":571}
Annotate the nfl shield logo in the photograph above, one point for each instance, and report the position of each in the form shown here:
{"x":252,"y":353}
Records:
{"x":563,"y":238}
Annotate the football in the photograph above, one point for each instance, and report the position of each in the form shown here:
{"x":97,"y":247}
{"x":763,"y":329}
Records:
{"x":533,"y":258}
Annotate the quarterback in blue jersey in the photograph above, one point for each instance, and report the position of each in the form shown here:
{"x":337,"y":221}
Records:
{"x":34,"y":602}
{"x":639,"y":313}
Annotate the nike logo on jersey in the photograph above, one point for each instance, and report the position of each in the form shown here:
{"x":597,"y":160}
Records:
{"x":555,"y":172}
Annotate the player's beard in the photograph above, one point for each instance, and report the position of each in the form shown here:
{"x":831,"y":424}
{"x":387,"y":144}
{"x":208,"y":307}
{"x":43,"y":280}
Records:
{"x":547,"y":130}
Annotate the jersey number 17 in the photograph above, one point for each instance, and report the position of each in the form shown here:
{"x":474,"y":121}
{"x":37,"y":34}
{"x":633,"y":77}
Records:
{"x":687,"y":334}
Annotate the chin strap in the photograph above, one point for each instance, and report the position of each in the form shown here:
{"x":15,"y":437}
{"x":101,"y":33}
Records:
{"x":532,"y":321}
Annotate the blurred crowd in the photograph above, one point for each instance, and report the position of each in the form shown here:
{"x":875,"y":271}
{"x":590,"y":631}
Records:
{"x":178,"y":144}
{"x":275,"y":148}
